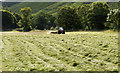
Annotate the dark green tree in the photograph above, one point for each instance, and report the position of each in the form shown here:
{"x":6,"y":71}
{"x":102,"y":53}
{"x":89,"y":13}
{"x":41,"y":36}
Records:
{"x":67,"y":17}
{"x":42,"y":21}
{"x":8,"y":20}
{"x":18,"y":17}
{"x":25,"y":21}
{"x":99,"y":14}
{"x":84,"y":13}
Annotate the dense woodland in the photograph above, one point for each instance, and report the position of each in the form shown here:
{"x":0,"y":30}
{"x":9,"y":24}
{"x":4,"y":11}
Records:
{"x":91,"y":16}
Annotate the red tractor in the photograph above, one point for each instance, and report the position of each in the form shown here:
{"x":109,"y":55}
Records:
{"x":61,"y":30}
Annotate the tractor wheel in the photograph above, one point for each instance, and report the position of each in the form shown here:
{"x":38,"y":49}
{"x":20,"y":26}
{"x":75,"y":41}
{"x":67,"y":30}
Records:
{"x":63,"y":32}
{"x":59,"y":32}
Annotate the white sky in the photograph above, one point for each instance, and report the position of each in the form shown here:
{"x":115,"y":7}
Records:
{"x":58,"y":0}
{"x":1,"y":0}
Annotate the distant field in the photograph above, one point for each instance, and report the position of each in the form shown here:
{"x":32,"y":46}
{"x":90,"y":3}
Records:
{"x":74,"y":51}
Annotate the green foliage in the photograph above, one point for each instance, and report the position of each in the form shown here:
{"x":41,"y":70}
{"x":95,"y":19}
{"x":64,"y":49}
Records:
{"x":114,"y":18}
{"x":52,"y":28}
{"x":42,"y":21}
{"x":56,"y":28}
{"x":99,"y":14}
{"x":67,"y":17}
{"x":8,"y":20}
{"x":18,"y":17}
{"x":84,"y":15}
{"x":87,"y":16}
{"x":71,"y":16}
{"x":25,"y":22}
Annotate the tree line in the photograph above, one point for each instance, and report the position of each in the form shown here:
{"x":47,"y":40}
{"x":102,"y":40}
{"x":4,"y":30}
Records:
{"x":94,"y":16}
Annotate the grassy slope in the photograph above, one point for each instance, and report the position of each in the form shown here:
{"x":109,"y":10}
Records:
{"x":8,"y":4}
{"x":36,"y":6}
{"x":53,"y":8}
{"x":113,"y":5}
{"x":74,"y":51}
{"x":50,"y":7}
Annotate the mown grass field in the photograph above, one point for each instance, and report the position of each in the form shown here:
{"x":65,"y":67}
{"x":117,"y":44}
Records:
{"x":74,"y":51}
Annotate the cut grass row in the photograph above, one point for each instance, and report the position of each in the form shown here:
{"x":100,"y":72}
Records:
{"x":70,"y":52}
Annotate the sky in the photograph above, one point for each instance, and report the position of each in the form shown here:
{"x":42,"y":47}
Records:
{"x":1,"y":0}
{"x":57,"y":0}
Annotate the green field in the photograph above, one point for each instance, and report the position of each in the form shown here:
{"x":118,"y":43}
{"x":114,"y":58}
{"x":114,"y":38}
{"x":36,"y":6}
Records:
{"x":74,"y":51}
{"x":0,"y":52}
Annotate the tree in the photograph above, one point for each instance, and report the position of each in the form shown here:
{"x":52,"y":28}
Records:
{"x":84,"y":15}
{"x":42,"y":21}
{"x":25,"y":21}
{"x":8,"y":20}
{"x":17,"y":17}
{"x":67,"y":17}
{"x":99,"y":14}
{"x":114,"y":17}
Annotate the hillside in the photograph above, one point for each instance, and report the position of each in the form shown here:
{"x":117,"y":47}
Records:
{"x":53,"y":8}
{"x":113,"y":5}
{"x":50,"y":7}
{"x":36,"y":6}
{"x":9,"y":4}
